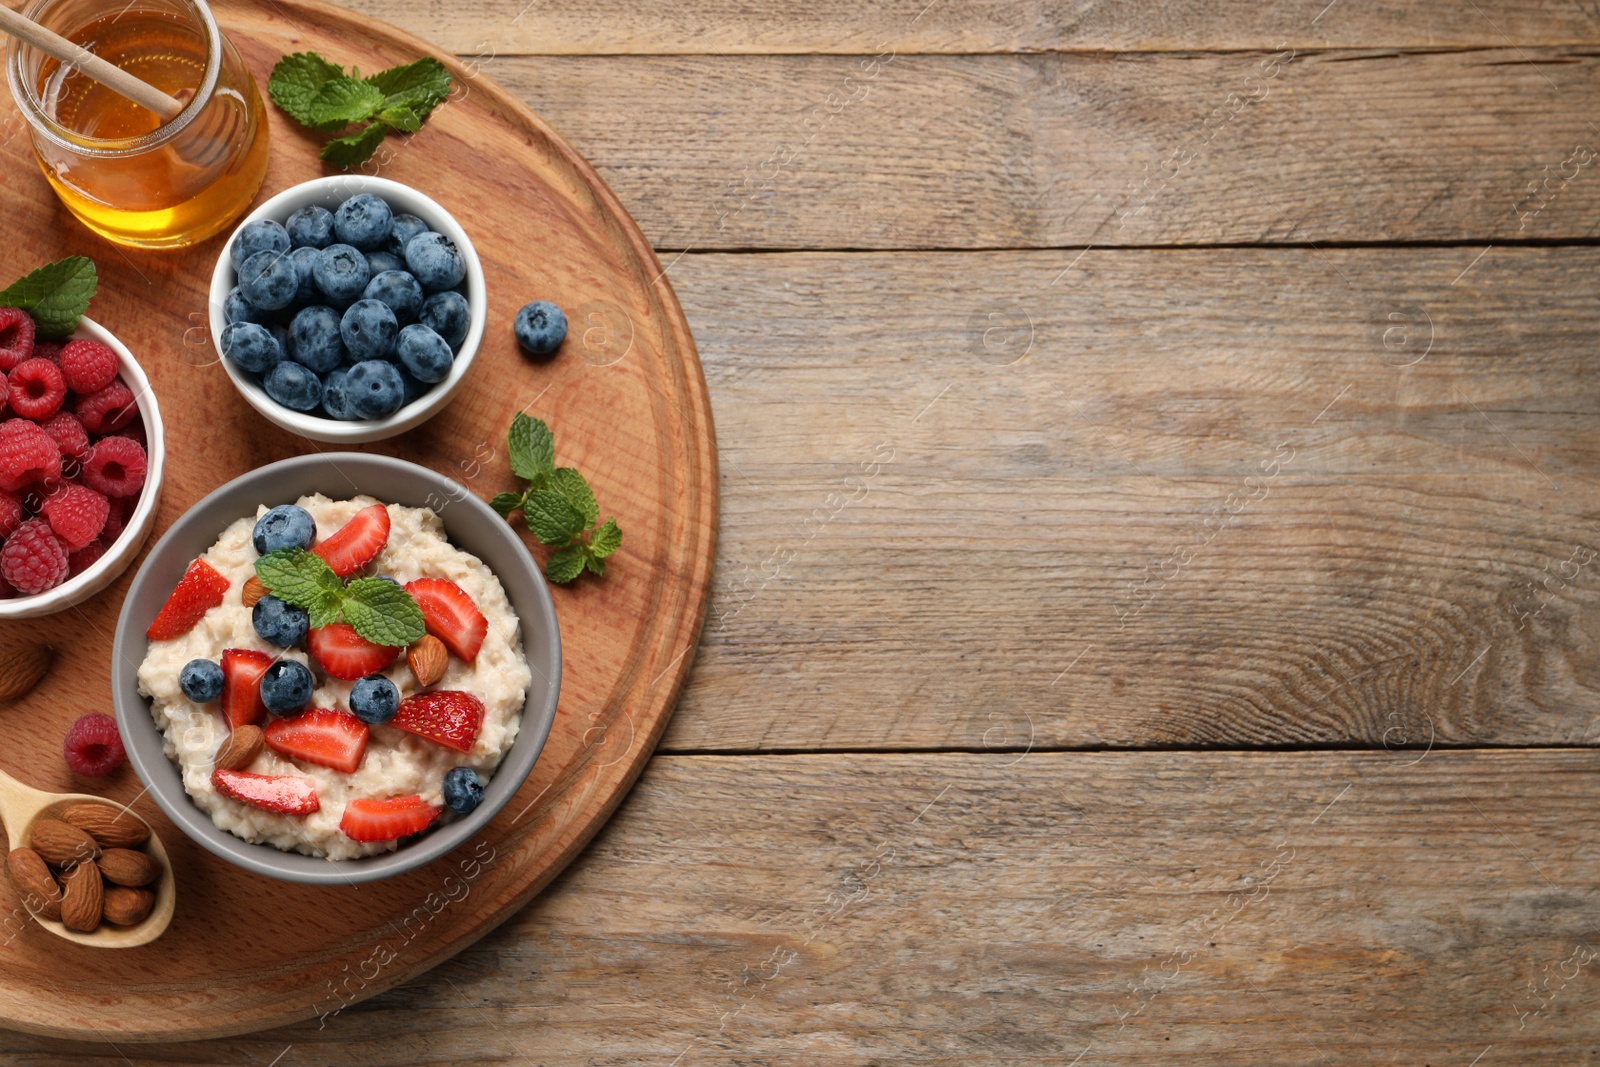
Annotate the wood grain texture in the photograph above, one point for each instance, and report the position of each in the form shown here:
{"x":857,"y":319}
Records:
{"x":629,"y":408}
{"x":614,"y":27}
{"x":1221,"y":909}
{"x":905,"y":151}
{"x":920,"y":540}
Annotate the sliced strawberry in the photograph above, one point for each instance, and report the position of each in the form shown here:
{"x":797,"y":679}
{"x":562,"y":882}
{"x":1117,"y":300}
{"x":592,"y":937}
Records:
{"x":447,"y":718}
{"x":385,"y":820}
{"x":358,"y":542}
{"x":343,"y":653}
{"x":200,"y":589}
{"x":242,"y":669}
{"x":282,"y":793}
{"x":327,"y":737}
{"x":451,"y":616}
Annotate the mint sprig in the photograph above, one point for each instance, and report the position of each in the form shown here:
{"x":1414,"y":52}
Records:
{"x":557,"y":505}
{"x":55,"y":296}
{"x":319,"y":94}
{"x":380,"y":611}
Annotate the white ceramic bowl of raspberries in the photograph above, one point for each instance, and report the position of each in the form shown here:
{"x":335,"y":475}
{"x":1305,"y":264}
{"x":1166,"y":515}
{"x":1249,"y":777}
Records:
{"x":348,"y":308}
{"x":81,"y":454}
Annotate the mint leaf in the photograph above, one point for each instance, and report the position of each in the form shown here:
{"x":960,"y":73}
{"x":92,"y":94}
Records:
{"x":342,"y":101}
{"x":419,"y":86}
{"x":595,"y":564}
{"x":532,"y":448}
{"x":565,"y":565}
{"x":298,"y":577}
{"x":551,"y":518}
{"x":506,"y":503}
{"x":56,"y":295}
{"x":383,"y":613}
{"x":356,"y":148}
{"x":327,"y":608}
{"x":402,"y":119}
{"x":297,"y":79}
{"x":606,"y":540}
{"x":570,"y":484}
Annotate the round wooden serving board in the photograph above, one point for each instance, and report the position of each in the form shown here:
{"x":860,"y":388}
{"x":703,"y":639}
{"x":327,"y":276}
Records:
{"x":627,"y":401}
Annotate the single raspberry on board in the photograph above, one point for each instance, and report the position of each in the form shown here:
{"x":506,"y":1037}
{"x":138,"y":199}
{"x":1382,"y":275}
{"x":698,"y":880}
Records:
{"x":77,"y":514}
{"x":16,"y":337}
{"x":33,"y":558}
{"x":93,"y":747}
{"x":27,"y":455}
{"x":108,"y":410}
{"x":116,"y":467}
{"x":36,"y":389}
{"x":88,"y":366}
{"x":68,"y":434}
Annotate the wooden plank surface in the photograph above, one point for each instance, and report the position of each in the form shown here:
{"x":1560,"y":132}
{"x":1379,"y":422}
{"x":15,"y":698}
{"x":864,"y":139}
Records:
{"x":614,"y":27}
{"x":905,"y":151}
{"x":1213,"y":476}
{"x":1137,"y":908}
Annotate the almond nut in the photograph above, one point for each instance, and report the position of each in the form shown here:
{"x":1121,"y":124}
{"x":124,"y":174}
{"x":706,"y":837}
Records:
{"x":21,"y":671}
{"x":110,"y":826}
{"x":124,"y":866}
{"x":84,"y":898}
{"x":428,"y":659}
{"x":253,"y":592}
{"x":127,"y":907}
{"x":60,"y":843}
{"x":240,"y":749}
{"x":34,"y":883}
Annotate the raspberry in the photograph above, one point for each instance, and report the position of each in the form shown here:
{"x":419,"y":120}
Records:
{"x":68,"y":434}
{"x":134,"y":431}
{"x":117,"y":520}
{"x":85,"y":557}
{"x":36,"y":389}
{"x":27,"y":455}
{"x":76,"y":514}
{"x":10,"y":512}
{"x":109,"y":410}
{"x":93,"y":747}
{"x":16,"y":337}
{"x":33,"y":559}
{"x":6,"y":592}
{"x":88,"y":366}
{"x":116,"y":467}
{"x":50,"y":350}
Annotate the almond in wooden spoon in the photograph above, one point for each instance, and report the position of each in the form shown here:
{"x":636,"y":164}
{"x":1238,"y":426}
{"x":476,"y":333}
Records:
{"x":34,"y":883}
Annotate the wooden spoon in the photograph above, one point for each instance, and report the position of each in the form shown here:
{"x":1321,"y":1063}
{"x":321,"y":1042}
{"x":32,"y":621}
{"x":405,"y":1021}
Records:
{"x":21,"y":805}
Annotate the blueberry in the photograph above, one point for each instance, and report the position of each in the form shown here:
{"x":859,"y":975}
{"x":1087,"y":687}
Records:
{"x":341,"y":274}
{"x":368,"y":329}
{"x":363,"y":221}
{"x":200,"y":680}
{"x":374,"y":699}
{"x":293,"y":386}
{"x":278,"y":623}
{"x":262,"y":235}
{"x":251,"y":346}
{"x":380,"y":261}
{"x":286,"y":686}
{"x":463,"y":792}
{"x":424,"y":353}
{"x":405,"y":228}
{"x":335,"y":397}
{"x":305,"y":272}
{"x":375,"y":389}
{"x":311,"y":227}
{"x":435,"y":261}
{"x":448,"y":315}
{"x":397,"y":289}
{"x":237,"y":309}
{"x":387,"y":578}
{"x":285,"y":526}
{"x":412,"y":387}
{"x":541,"y":327}
{"x":314,"y":339}
{"x":269,"y":280}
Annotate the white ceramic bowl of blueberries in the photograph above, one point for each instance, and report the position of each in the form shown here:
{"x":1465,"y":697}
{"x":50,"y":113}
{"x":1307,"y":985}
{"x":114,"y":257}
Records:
{"x":348,"y":308}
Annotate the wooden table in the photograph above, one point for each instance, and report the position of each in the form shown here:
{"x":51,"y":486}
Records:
{"x":1158,"y":607}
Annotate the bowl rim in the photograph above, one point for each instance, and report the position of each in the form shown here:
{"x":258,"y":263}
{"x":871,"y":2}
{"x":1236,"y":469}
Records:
{"x":161,"y":776}
{"x":330,"y":190}
{"x":120,"y":552}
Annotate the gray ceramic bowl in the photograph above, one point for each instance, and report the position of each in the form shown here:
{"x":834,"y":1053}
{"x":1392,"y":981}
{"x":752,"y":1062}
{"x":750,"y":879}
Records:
{"x":470,"y":525}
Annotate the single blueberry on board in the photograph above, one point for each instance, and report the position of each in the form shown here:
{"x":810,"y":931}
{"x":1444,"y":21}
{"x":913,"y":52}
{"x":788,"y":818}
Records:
{"x":201,"y":680}
{"x":286,"y":686}
{"x":375,"y":389}
{"x":364,"y":221}
{"x":435,"y":261}
{"x":541,"y":327}
{"x":311,"y":227}
{"x":368,"y":330}
{"x":449,"y":315}
{"x":251,"y":347}
{"x":269,"y":280}
{"x":262,"y":235}
{"x":285,"y":526}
